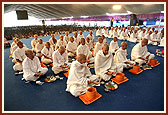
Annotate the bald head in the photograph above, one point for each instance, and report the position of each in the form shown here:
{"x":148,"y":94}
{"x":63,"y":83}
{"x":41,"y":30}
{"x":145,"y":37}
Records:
{"x":144,"y":42}
{"x":100,"y":40}
{"x":61,"y":49}
{"x":81,"y":58}
{"x":82,"y":41}
{"x":29,"y":53}
{"x":124,"y":45}
{"x":105,"y":49}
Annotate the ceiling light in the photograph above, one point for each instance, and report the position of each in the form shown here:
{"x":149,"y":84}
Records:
{"x":129,"y":12}
{"x":67,"y":17}
{"x":84,"y":16}
{"x":115,"y":14}
{"x":162,"y":11}
{"x":117,"y":7}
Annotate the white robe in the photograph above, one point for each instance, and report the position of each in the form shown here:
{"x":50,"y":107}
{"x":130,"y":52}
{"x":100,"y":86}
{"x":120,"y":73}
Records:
{"x":98,"y":32}
{"x":38,"y":49}
{"x":90,"y":44}
{"x":52,"y":43}
{"x":110,"y":34}
{"x":124,"y":35}
{"x":141,"y":35}
{"x":105,"y":33}
{"x":80,"y":36}
{"x":47,"y":53}
{"x":66,"y":38}
{"x":84,"y":49}
{"x":91,"y":37}
{"x":134,"y":37}
{"x":120,"y":57}
{"x":162,"y":41}
{"x":154,"y":39}
{"x":31,"y":67}
{"x":139,"y":51}
{"x":115,"y":34}
{"x":33,"y":43}
{"x":104,"y":64}
{"x":77,"y":40}
{"x":77,"y":80}
{"x":19,"y":54}
{"x":60,"y":43}
{"x":98,"y":47}
{"x":71,"y":46}
{"x":59,"y":60}
{"x":113,"y":46}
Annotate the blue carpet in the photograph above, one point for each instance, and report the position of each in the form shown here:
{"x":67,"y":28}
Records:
{"x":143,"y":92}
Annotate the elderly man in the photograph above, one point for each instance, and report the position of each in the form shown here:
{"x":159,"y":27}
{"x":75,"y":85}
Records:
{"x":98,"y":32}
{"x":120,"y":56}
{"x":39,"y":46}
{"x":60,"y":60}
{"x":98,"y":45}
{"x":53,"y":41}
{"x":114,"y":45}
{"x":34,"y":42}
{"x":71,"y":47}
{"x":47,"y":54}
{"x":148,"y":37}
{"x":140,"y":52}
{"x":61,"y":42}
{"x":32,"y":69}
{"x":79,"y":77}
{"x":115,"y":33}
{"x":66,"y":37}
{"x":105,"y":32}
{"x":104,"y":39}
{"x":104,"y":64}
{"x":84,"y":49}
{"x":19,"y":56}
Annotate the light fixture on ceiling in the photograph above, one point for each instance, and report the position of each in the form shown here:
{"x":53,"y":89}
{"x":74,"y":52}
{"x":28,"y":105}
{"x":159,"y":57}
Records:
{"x":84,"y":16}
{"x":117,"y":7}
{"x":115,"y":14}
{"x":129,"y":12}
{"x":162,"y":11}
{"x":67,"y":17}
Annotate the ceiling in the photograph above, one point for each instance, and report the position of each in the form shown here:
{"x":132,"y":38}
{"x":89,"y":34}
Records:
{"x":51,"y":11}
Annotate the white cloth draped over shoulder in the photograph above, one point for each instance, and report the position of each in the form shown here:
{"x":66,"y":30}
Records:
{"x":31,"y":67}
{"x":66,"y":38}
{"x":84,"y":49}
{"x":91,"y":37}
{"x":38,"y":49}
{"x":98,"y":32}
{"x":98,"y":47}
{"x":48,"y":53}
{"x":33,"y":43}
{"x":89,"y":44}
{"x":71,"y":46}
{"x":60,"y":43}
{"x":113,"y":46}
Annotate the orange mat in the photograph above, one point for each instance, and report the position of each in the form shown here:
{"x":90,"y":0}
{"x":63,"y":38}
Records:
{"x":125,"y":79}
{"x":51,"y":64}
{"x":67,"y":73}
{"x":10,"y":56}
{"x":92,"y":52}
{"x":43,"y":65}
{"x":87,"y":101}
{"x":132,"y":71}
{"x":154,"y":65}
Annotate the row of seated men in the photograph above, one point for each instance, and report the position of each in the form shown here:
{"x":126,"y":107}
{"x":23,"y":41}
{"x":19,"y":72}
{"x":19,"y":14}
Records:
{"x":107,"y":60}
{"x":134,"y":34}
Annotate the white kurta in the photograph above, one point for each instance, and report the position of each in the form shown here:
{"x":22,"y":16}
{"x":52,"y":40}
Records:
{"x":77,"y":80}
{"x":84,"y":49}
{"x":162,"y":41}
{"x":154,"y":39}
{"x":71,"y":46}
{"x":115,"y":34}
{"x":31,"y":67}
{"x":66,"y":38}
{"x":104,"y":64}
{"x":38,"y":49}
{"x":33,"y":43}
{"x":124,"y":35}
{"x":110,"y":34}
{"x":91,"y":37}
{"x":141,"y":35}
{"x":60,"y":43}
{"x":51,"y":41}
{"x":98,"y":47}
{"x":98,"y":32}
{"x":113,"y":46}
{"x":19,"y":54}
{"x":80,"y":36}
{"x":59,"y":60}
{"x":105,"y":33}
{"x":90,"y":44}
{"x":77,"y":40}
{"x":139,"y":51}
{"x":134,"y":37}
{"x":48,"y":53}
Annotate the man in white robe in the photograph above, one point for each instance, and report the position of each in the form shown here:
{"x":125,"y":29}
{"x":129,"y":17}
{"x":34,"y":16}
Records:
{"x":66,"y":37}
{"x":47,"y":54}
{"x":115,"y":33}
{"x":104,"y":64}
{"x":71,"y":47}
{"x":19,"y":56}
{"x":124,"y":35}
{"x":160,"y":34}
{"x":79,"y":77}
{"x":91,"y":36}
{"x":76,"y":38}
{"x":14,"y":45}
{"x":111,"y":32}
{"x":154,"y":38}
{"x":32,"y":69}
{"x":89,"y":43}
{"x":34,"y":42}
{"x":148,"y":37}
{"x":141,"y":34}
{"x":134,"y":37}
{"x":60,"y":60}
{"x":61,"y":42}
{"x":104,"y":39}
{"x":98,"y":32}
{"x":53,"y":41}
{"x":140,"y":52}
{"x":80,"y":35}
{"x":98,"y":46}
{"x":148,"y":29}
{"x":39,"y":46}
{"x":113,"y":45}
{"x":105,"y":32}
{"x":120,"y":56}
{"x":84,"y":49}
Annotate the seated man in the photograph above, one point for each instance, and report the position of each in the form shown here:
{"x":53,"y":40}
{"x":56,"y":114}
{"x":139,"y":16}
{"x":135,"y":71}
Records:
{"x":60,"y":60}
{"x":134,"y":37}
{"x":104,"y":39}
{"x":84,"y":49}
{"x":105,"y":32}
{"x":140,"y":52}
{"x":39,"y":46}
{"x":154,"y":38}
{"x":76,"y":38}
{"x":120,"y":56}
{"x":47,"y":54}
{"x":19,"y":56}
{"x":113,"y":45}
{"x":14,"y":45}
{"x":111,"y":32}
{"x":91,"y":36}
{"x":34,"y":42}
{"x":89,"y":43}
{"x":104,"y":64}
{"x":71,"y":47}
{"x":98,"y":46}
{"x":80,"y":35}
{"x":61,"y":42}
{"x":98,"y":32}
{"x":66,"y":37}
{"x":53,"y":41}
{"x":124,"y":35}
{"x":78,"y":79}
{"x":32,"y":69}
{"x":115,"y":33}
{"x":141,"y":34}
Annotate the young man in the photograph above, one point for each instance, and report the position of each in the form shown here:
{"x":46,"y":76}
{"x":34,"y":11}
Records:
{"x":71,"y":47}
{"x":91,"y":36}
{"x":39,"y":46}
{"x":134,"y":37}
{"x":80,"y":35}
{"x":53,"y":41}
{"x":47,"y":54}
{"x":98,"y":32}
{"x":61,"y":42}
{"x":76,"y":38}
{"x":66,"y":37}
{"x":113,"y":45}
{"x":34,"y":42}
{"x":140,"y":52}
{"x":32,"y":69}
{"x":124,"y":35}
{"x":98,"y":46}
{"x":120,"y":56}
{"x":19,"y":56}
{"x":60,"y":60}
{"x":89,"y":43}
{"x":79,"y":77}
{"x":104,"y":64}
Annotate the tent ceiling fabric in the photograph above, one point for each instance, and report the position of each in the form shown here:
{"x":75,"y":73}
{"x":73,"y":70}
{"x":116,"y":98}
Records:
{"x":51,"y":11}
